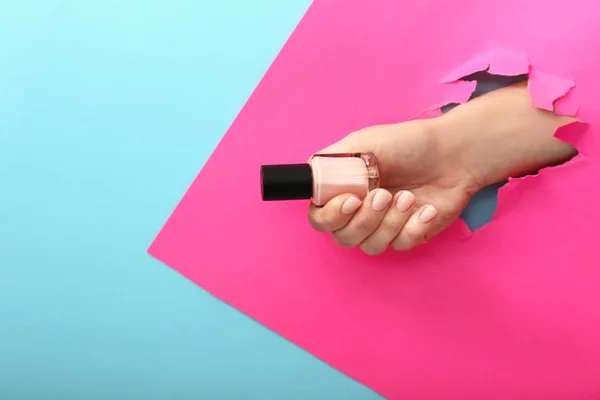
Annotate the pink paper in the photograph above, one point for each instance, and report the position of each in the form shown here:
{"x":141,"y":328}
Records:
{"x":545,"y":88}
{"x":496,"y":60}
{"x":511,"y":312}
{"x":451,"y":92}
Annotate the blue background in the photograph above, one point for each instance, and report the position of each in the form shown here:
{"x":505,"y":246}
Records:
{"x":108,"y":109}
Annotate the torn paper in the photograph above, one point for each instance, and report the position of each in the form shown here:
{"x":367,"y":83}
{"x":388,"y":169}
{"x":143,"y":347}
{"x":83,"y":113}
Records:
{"x":456,"y":92}
{"x":510,"y":313}
{"x":545,"y":89}
{"x":496,"y":60}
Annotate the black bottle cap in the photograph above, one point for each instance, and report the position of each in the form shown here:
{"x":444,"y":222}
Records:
{"x":286,"y":182}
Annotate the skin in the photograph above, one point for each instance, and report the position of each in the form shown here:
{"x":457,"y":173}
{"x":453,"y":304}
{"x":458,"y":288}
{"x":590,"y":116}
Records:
{"x":436,"y":165}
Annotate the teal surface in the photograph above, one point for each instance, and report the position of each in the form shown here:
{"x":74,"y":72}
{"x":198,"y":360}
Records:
{"x":108,"y":109}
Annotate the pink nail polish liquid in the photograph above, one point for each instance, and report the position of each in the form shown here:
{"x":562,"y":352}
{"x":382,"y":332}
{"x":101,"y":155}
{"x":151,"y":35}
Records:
{"x":324,"y":177}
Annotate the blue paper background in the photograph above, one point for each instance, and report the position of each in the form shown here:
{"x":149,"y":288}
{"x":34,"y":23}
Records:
{"x":108,"y":109}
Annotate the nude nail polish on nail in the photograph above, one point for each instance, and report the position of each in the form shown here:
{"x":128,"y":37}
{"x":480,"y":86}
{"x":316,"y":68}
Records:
{"x":427,"y":214}
{"x":324,"y":177}
{"x":381,"y":200}
{"x":350,"y":205}
{"x":405,"y":201}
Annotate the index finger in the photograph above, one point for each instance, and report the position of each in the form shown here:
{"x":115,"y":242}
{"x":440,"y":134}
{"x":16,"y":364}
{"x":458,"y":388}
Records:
{"x":335,"y":214}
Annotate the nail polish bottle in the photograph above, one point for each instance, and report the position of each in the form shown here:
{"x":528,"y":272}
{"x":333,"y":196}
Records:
{"x":324,"y":177}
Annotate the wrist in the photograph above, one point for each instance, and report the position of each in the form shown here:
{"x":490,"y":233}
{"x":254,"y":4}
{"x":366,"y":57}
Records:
{"x":462,"y":150}
{"x":500,"y":135}
{"x":456,"y":161}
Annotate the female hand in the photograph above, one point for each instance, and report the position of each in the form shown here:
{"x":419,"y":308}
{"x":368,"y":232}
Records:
{"x":429,"y":169}
{"x":421,"y":191}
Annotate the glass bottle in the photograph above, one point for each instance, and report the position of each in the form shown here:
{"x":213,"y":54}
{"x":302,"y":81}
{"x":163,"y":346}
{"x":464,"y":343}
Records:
{"x":324,"y":177}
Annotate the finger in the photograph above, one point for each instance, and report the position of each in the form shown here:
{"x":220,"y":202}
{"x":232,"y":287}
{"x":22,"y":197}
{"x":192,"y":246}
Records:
{"x":394,"y":220}
{"x":415,"y":229}
{"x":366,"y":219}
{"x":335,"y":214}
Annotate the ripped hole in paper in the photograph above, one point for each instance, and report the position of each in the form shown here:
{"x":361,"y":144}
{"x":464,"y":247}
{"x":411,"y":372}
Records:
{"x":483,"y":205}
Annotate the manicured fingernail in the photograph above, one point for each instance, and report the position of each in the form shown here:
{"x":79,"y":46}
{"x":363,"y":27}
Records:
{"x":381,"y":200}
{"x":427,"y":214}
{"x":351,"y":205}
{"x":405,"y":201}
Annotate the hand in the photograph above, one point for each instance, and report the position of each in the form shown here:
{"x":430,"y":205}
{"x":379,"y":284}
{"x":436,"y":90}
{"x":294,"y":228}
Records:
{"x":424,"y":192}
{"x":430,"y":169}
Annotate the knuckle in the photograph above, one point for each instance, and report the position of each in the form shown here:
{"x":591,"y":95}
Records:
{"x":364,"y":223}
{"x":321,"y":220}
{"x":414,"y":235}
{"x":398,"y":245}
{"x":371,"y":249}
{"x":315,"y":223}
{"x":407,"y":239}
{"x":343,"y":241}
{"x":392,"y":224}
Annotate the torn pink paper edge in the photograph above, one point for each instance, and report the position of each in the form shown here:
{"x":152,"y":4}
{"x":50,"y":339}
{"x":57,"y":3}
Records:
{"x":510,"y":313}
{"x":496,"y":60}
{"x":545,"y":90}
{"x":454,"y":92}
